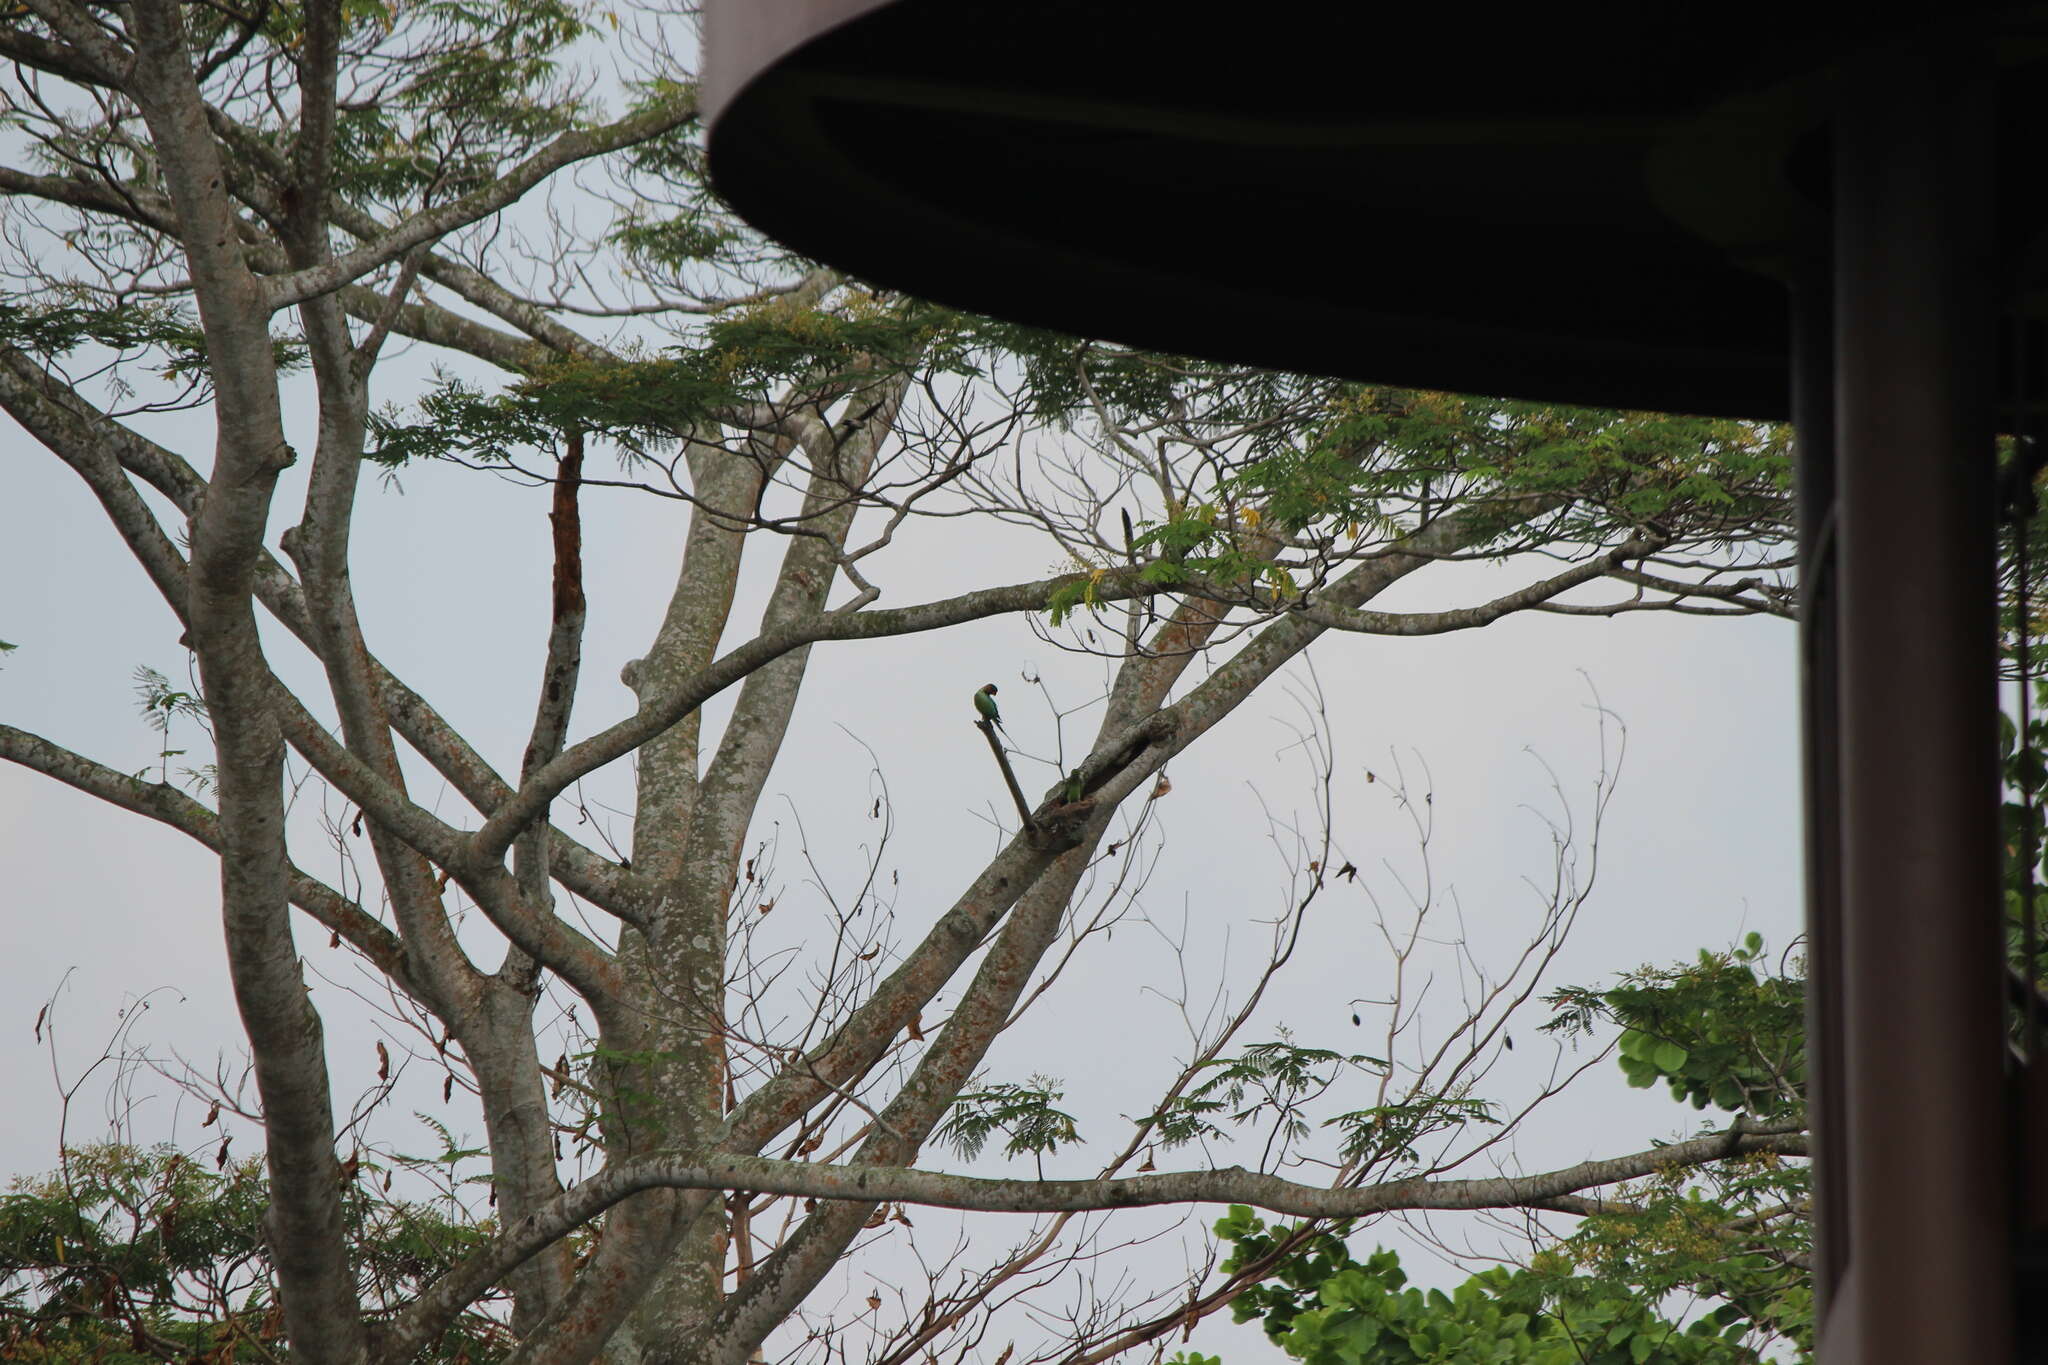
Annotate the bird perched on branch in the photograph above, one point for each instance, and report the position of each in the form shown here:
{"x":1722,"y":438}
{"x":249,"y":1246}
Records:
{"x":985,"y":703}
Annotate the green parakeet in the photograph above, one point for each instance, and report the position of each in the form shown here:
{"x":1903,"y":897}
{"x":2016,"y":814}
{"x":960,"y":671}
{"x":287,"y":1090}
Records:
{"x":985,"y":703}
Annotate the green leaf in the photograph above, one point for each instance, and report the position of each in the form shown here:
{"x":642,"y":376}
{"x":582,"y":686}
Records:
{"x":1641,"y":1074}
{"x":1669,"y":1057}
{"x":1025,"y":1113}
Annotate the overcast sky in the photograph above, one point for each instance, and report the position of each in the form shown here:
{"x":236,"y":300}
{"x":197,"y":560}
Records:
{"x":1699,"y":845}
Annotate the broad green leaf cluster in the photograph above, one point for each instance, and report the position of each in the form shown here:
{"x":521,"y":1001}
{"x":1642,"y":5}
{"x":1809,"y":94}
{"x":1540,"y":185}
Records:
{"x":1697,"y":1264}
{"x":2024,"y":764}
{"x":1720,"y":1031}
{"x":1325,"y":1307}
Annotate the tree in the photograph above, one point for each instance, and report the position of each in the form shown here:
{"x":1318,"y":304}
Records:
{"x":1726,"y":1244}
{"x":213,"y":204}
{"x":1731,"y":1243}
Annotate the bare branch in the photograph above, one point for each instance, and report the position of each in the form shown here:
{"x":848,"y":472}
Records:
{"x":1468,"y":618}
{"x":432,"y":224}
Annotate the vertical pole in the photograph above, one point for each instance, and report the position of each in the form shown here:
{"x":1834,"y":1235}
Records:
{"x":1929,"y":1267}
{"x":1813,"y":418}
{"x":2028,"y":1081}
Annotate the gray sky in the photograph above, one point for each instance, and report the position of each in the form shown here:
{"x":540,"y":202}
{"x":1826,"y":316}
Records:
{"x":1699,"y":846}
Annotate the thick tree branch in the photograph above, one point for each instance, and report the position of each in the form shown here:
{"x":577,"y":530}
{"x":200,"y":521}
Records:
{"x":51,"y":413}
{"x":305,"y":1222}
{"x":698,"y":612}
{"x":428,"y":322}
{"x":863,"y":1039}
{"x":319,"y":545}
{"x":1230,"y":1185}
{"x":738,"y":771}
{"x":423,"y":320}
{"x":81,"y":434}
{"x":169,"y":806}
{"x":664,"y":709}
{"x":847,"y":1054}
{"x":313,"y":149}
{"x":73,"y":435}
{"x":127,"y":202}
{"x":560,"y":669}
{"x":86,"y":52}
{"x":515,"y":1103}
{"x":1022,"y":870}
{"x":1283,"y":639}
{"x":581,"y":962}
